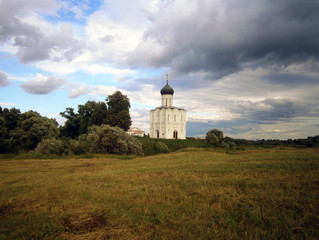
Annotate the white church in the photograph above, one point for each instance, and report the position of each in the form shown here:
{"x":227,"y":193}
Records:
{"x":168,"y":121}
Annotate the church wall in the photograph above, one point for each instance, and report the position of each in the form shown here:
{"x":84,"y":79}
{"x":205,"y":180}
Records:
{"x":167,"y":120}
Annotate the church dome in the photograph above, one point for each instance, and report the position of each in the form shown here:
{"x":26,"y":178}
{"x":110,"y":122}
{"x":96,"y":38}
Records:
{"x":167,"y":90}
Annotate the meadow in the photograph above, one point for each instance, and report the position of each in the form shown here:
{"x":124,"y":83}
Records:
{"x":189,"y":194}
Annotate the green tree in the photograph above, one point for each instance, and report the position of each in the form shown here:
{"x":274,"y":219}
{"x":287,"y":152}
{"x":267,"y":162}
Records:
{"x":118,"y":111}
{"x":214,"y":137}
{"x":107,"y":139}
{"x":32,"y":129}
{"x":3,"y":134}
{"x":89,"y":114}
{"x":12,"y":117}
{"x":71,"y":127}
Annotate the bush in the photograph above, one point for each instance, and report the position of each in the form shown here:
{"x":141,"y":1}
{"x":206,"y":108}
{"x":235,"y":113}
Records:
{"x":161,"y":148}
{"x":225,"y":145}
{"x":50,"y":146}
{"x":79,"y":146}
{"x":149,"y":144}
{"x":107,"y":139}
{"x":214,"y":137}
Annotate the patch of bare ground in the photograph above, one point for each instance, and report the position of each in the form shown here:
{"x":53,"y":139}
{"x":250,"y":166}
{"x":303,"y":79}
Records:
{"x":6,"y":209}
{"x":83,"y":223}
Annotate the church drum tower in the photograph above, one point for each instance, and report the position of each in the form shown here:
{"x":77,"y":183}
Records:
{"x":167,"y":121}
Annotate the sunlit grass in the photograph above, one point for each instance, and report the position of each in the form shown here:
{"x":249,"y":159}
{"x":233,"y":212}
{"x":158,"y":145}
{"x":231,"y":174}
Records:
{"x":191,"y":194}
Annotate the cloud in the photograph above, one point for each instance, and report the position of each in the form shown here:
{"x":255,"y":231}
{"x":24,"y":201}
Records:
{"x":292,"y":79}
{"x":42,"y":85}
{"x":269,"y":111}
{"x":92,"y":91}
{"x":224,"y":37}
{"x":3,"y":79}
{"x":22,"y":25}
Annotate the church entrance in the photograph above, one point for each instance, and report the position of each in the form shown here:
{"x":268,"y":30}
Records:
{"x":157,"y":133}
{"x":175,"y":134}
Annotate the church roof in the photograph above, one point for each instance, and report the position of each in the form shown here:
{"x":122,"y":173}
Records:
{"x":167,"y":89}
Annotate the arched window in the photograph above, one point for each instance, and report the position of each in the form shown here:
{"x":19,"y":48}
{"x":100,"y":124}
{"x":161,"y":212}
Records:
{"x":175,"y":134}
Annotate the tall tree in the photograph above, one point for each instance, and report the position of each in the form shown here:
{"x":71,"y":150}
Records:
{"x":89,"y":114}
{"x":32,"y":129}
{"x":3,"y":134}
{"x":118,"y":111}
{"x":71,"y":127}
{"x":12,"y":117}
{"x":92,"y":113}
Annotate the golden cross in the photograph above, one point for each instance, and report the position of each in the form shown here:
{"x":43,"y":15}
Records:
{"x":166,"y":78}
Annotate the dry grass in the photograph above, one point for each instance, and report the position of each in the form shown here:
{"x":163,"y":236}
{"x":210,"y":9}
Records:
{"x":192,"y":194}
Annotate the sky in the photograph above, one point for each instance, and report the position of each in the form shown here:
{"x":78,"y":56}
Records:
{"x":249,"y":68}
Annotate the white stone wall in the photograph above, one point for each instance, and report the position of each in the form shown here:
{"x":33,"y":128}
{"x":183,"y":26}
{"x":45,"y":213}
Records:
{"x":167,"y":100}
{"x":165,"y":120}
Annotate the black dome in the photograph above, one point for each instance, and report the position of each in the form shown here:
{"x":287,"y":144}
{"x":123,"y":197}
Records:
{"x":167,"y":90}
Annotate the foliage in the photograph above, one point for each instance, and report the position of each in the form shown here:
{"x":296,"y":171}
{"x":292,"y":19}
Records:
{"x":51,"y":146}
{"x":161,"y":148}
{"x":118,"y":111}
{"x":214,"y":137}
{"x":115,"y":112}
{"x":89,"y":114}
{"x":32,"y":129}
{"x":23,"y":131}
{"x":149,"y":144}
{"x":225,"y":146}
{"x":79,"y":146}
{"x":107,"y":139}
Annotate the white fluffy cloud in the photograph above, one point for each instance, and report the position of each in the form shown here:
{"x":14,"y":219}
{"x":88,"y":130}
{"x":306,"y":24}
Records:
{"x":3,"y":79}
{"x":42,"y":84}
{"x":35,"y":39}
{"x":93,"y":91}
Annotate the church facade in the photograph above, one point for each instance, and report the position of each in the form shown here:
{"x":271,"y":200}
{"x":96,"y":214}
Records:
{"x":167,"y":121}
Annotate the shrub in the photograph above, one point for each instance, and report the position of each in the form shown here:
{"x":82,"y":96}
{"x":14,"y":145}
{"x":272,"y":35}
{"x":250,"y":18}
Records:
{"x":50,"y":146}
{"x":161,"y":148}
{"x":149,"y":144}
{"x":225,"y":145}
{"x":79,"y":146}
{"x":214,"y":137}
{"x":107,"y":139}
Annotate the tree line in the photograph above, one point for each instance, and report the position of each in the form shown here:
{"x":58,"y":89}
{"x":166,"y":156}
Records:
{"x":25,"y":131}
{"x":216,"y":138}
{"x":100,"y":127}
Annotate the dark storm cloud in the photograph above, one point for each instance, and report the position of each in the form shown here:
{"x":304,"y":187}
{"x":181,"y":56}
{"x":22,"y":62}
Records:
{"x":226,"y":38}
{"x":43,"y":85}
{"x":32,"y":42}
{"x":291,"y":79}
{"x":270,"y":111}
{"x":3,"y":79}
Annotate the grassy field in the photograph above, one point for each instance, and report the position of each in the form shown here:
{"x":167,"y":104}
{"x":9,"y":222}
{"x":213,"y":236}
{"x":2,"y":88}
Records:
{"x":191,"y":194}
